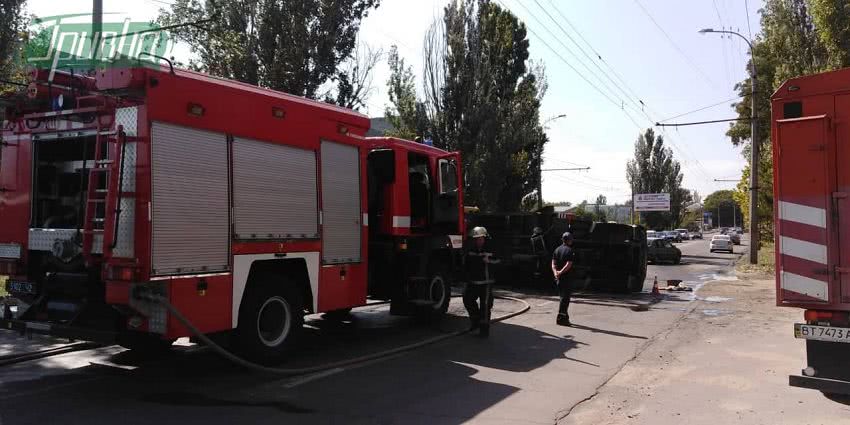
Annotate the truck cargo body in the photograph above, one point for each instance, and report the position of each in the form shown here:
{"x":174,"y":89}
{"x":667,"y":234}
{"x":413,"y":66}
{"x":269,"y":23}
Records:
{"x":811,"y":153}
{"x":217,"y":195}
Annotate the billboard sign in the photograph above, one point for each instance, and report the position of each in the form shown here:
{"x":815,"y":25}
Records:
{"x":652,"y":202}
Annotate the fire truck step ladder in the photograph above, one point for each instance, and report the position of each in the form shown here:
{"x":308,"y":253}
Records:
{"x":97,"y":194}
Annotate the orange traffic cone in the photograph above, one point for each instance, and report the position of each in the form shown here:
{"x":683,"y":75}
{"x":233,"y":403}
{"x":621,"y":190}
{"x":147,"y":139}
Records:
{"x":655,"y":287}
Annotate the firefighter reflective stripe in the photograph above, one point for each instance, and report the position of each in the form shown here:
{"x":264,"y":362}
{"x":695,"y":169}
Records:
{"x":190,"y":191}
{"x":401,"y":221}
{"x":274,"y":191}
{"x":806,"y":286}
{"x":802,"y":214}
{"x":365,"y":219}
{"x":801,"y":249}
{"x":341,"y":212}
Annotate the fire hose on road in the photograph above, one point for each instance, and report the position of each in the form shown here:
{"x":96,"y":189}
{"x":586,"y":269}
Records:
{"x":327,"y":366}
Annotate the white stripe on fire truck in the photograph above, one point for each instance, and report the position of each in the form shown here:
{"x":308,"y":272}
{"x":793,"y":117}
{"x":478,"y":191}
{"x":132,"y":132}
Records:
{"x":804,"y":285}
{"x":802,"y":249}
{"x":802,"y":214}
{"x":401,"y":221}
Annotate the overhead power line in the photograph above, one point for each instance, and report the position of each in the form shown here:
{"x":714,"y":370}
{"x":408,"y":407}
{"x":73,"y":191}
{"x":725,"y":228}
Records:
{"x":685,"y":124}
{"x":747,"y":10}
{"x":676,"y":46}
{"x":703,"y":108}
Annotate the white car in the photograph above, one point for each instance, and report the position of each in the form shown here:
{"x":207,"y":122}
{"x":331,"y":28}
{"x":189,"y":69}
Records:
{"x":721,"y":243}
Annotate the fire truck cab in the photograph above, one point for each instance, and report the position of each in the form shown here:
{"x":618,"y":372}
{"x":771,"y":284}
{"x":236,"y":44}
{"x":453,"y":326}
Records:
{"x":245,"y":208}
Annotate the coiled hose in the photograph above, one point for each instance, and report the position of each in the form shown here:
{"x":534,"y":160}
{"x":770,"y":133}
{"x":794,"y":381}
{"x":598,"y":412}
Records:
{"x":304,"y":370}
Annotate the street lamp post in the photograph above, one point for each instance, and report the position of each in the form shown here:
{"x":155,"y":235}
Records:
{"x":754,"y":154}
{"x":540,"y":164}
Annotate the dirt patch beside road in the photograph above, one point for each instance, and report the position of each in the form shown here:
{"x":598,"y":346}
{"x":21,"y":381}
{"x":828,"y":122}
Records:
{"x":727,"y":361}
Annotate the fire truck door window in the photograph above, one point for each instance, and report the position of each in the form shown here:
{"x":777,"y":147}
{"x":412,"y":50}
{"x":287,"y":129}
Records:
{"x":446,"y":204}
{"x":341,"y":213}
{"x":420,"y":191}
{"x":190,"y":208}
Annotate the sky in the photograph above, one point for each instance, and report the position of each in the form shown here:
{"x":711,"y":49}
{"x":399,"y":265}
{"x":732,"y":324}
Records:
{"x":651,"y":53}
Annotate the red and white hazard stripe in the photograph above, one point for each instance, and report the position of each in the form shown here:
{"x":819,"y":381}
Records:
{"x":803,"y":247}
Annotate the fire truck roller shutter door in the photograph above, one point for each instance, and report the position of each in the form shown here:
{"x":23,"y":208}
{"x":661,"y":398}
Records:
{"x":340,"y":203}
{"x":190,"y":211}
{"x":274,"y":191}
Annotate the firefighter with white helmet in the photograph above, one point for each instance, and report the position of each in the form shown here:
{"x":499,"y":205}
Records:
{"x":479,"y":284}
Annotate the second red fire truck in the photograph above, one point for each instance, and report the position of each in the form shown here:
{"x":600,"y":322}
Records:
{"x":246,"y":208}
{"x":811,"y":150}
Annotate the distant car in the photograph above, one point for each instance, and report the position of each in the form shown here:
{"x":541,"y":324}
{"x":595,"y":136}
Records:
{"x":673,"y":236}
{"x":720,"y":243}
{"x":739,"y":230}
{"x":685,"y":235}
{"x":652,"y":234}
{"x":735,"y":237}
{"x":662,"y":251}
{"x":696,"y":235}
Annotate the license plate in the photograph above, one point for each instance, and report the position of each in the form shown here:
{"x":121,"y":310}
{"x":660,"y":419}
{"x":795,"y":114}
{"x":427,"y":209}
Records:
{"x":21,"y":287}
{"x":821,"y":333}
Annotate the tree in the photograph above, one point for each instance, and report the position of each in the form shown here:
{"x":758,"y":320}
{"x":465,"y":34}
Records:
{"x":291,"y":46}
{"x":722,"y":204}
{"x":653,"y":170}
{"x":12,"y":34}
{"x":482,"y":98}
{"x":406,"y":114}
{"x":600,"y":213}
{"x":798,"y":37}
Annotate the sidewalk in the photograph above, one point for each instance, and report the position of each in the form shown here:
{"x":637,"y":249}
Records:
{"x":726,"y":361}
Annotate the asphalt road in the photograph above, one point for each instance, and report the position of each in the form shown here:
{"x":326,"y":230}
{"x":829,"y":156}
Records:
{"x":529,"y":371}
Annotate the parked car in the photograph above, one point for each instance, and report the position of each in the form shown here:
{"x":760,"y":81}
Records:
{"x":685,"y":235}
{"x":696,"y":235}
{"x":735,"y":237}
{"x":650,"y":234}
{"x":673,"y":236}
{"x":720,"y":243}
{"x":662,"y":251}
{"x":739,"y":230}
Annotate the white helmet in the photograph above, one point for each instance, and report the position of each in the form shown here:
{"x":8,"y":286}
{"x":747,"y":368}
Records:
{"x":479,"y":232}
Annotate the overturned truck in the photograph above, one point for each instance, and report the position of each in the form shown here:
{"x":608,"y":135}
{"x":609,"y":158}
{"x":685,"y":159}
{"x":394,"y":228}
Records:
{"x":609,"y":256}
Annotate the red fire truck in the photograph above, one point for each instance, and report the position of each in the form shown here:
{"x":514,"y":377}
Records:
{"x":811,"y":148}
{"x":246,"y":208}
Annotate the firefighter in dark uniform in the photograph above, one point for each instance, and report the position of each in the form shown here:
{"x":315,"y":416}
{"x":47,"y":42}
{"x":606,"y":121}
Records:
{"x":478,"y":282}
{"x":562,"y":263}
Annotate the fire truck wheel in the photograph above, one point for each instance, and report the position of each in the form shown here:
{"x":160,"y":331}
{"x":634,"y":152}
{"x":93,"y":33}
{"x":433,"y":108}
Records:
{"x":440,"y":292}
{"x":270,"y":320}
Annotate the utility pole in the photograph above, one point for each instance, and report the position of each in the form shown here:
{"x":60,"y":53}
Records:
{"x":754,"y":152}
{"x":96,"y":30}
{"x":540,"y":163}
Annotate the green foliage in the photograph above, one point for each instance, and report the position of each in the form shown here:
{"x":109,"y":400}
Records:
{"x":482,"y":98}
{"x":292,"y":46}
{"x":12,"y":37}
{"x":406,"y":114}
{"x":653,"y":170}
{"x":798,"y":37}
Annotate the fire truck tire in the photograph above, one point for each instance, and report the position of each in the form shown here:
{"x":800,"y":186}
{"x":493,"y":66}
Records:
{"x":271,"y":319}
{"x":440,"y":291}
